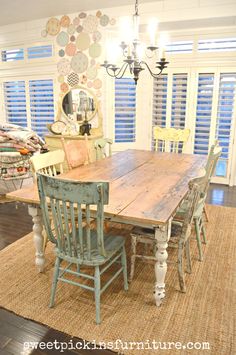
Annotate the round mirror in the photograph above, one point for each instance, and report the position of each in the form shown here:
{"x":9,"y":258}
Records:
{"x":79,"y":104}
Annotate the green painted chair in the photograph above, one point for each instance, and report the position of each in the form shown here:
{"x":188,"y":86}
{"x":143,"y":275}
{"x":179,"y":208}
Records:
{"x":180,"y":236}
{"x":204,"y":183}
{"x":76,"y":242}
{"x":100,"y":147}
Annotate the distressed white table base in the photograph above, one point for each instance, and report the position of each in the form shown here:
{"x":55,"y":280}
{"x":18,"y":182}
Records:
{"x":35,"y":213}
{"x":162,"y":235}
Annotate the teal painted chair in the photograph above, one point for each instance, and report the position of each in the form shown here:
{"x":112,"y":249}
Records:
{"x":180,"y":236}
{"x":77,"y":242}
{"x":100,"y":147}
{"x":204,"y":183}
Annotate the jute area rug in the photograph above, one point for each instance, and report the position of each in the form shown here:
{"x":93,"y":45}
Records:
{"x":205,"y":313}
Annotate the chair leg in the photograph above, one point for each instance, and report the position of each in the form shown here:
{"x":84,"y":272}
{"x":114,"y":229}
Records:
{"x":133,"y":256}
{"x":188,"y":256}
{"x":180,"y":266}
{"x":204,"y":233}
{"x":97,"y":286}
{"x":54,"y":282}
{"x":124,"y":265}
{"x":205,"y":213}
{"x":198,"y":237}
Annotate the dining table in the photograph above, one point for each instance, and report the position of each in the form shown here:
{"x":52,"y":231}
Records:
{"x":145,"y":189}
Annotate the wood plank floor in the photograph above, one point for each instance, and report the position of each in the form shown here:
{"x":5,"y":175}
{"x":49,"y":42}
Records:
{"x":15,"y":330}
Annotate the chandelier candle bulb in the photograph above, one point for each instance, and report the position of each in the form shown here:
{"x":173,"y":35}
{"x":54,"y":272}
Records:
{"x":152,"y":28}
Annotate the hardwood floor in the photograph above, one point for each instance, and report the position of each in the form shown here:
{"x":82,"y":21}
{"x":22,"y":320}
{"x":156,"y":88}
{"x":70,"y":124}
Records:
{"x":15,"y":330}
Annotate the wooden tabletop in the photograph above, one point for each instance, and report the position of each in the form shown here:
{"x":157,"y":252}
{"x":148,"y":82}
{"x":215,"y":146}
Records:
{"x":145,"y":187}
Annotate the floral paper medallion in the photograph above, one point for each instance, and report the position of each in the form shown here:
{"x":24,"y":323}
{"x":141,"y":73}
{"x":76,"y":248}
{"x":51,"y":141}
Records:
{"x":65,"y":21}
{"x":63,"y":66}
{"x":64,"y":87}
{"x":79,"y":63}
{"x":83,"y":41}
{"x":70,"y":49}
{"x":104,"y":20}
{"x":53,"y":26}
{"x":90,"y":24}
{"x":71,"y":29}
{"x":95,"y":50}
{"x":62,"y":39}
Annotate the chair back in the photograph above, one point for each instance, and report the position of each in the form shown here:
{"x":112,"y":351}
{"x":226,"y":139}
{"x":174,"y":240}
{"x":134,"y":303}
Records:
{"x":100,"y":147}
{"x":48,"y":163}
{"x":213,"y":157}
{"x":170,"y":139}
{"x":76,"y":152}
{"x":63,"y":201}
{"x":192,"y":201}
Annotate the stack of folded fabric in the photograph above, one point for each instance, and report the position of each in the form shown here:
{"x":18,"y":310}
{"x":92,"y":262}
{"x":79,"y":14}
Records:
{"x":17,"y":144}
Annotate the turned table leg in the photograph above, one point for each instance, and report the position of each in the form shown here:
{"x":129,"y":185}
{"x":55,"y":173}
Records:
{"x":162,"y":235}
{"x":35,"y":213}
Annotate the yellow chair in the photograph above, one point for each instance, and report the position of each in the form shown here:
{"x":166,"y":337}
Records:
{"x":170,"y":139}
{"x":48,"y":163}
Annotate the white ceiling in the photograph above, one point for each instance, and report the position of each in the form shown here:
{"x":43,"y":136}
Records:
{"x":14,"y":11}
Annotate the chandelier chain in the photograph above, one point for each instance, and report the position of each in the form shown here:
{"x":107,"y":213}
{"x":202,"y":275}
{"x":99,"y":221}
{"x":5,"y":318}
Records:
{"x":136,"y":7}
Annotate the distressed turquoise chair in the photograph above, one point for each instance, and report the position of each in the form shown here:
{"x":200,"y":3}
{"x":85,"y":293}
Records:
{"x":77,"y":242}
{"x":204,"y":183}
{"x":180,"y":236}
{"x":100,"y":147}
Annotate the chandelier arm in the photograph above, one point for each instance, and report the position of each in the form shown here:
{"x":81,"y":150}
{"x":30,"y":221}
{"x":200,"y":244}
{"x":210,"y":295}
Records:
{"x":154,"y":75}
{"x":122,"y":72}
{"x":113,"y":74}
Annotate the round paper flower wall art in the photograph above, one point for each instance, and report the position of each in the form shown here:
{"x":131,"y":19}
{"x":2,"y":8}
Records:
{"x":79,"y":48}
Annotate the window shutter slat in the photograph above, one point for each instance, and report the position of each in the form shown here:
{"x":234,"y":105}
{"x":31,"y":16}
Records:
{"x":125,"y":110}
{"x":225,"y":119}
{"x":203,"y":113}
{"x":179,"y":100}
{"x":41,"y":104}
{"x":15,"y":103}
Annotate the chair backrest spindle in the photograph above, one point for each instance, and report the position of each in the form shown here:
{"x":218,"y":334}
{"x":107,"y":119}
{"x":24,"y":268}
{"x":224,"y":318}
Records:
{"x":170,"y":139}
{"x":48,"y":163}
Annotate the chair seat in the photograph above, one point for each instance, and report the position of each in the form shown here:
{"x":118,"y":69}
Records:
{"x":112,"y":245}
{"x":197,"y":213}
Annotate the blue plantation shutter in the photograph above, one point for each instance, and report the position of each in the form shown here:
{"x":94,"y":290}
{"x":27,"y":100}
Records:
{"x":11,"y":55}
{"x":41,"y":104}
{"x":15,"y":102}
{"x":225,"y":118}
{"x":203,"y":113}
{"x":179,"y":100}
{"x":37,"y":52}
{"x":217,"y":45}
{"x":180,"y":47}
{"x":125,"y":110}
{"x":159,"y":101}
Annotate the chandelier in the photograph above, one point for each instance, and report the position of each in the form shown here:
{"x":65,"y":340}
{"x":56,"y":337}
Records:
{"x":132,"y":61}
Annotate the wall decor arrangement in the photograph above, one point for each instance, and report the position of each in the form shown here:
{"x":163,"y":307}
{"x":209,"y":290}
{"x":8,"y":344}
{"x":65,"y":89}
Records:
{"x":78,"y":47}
